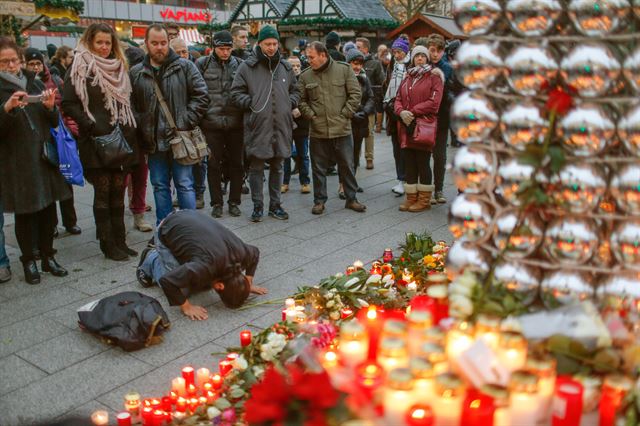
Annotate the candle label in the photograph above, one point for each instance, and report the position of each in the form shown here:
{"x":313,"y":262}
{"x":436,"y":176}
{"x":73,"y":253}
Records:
{"x":559,"y":407}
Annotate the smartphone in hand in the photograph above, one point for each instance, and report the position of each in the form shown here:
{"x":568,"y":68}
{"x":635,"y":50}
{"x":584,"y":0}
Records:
{"x":31,"y":99}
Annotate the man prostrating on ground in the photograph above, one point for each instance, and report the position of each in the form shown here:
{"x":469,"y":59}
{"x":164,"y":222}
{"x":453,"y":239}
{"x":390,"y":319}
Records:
{"x":193,"y":252}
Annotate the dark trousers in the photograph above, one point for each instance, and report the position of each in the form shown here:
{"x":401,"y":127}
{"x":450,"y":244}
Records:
{"x":301,"y":143}
{"x":439,"y":154}
{"x":200,"y":177}
{"x":323,"y":153}
{"x":34,"y":231}
{"x":416,"y":165}
{"x":358,"y":137}
{"x":227,"y":150}
{"x":398,"y":158}
{"x":68,"y":212}
{"x":108,"y":202}
{"x":256,"y":180}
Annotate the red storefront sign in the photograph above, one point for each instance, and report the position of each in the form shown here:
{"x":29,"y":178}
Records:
{"x":184,"y":15}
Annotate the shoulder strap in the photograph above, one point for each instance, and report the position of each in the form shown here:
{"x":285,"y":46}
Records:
{"x":163,"y":105}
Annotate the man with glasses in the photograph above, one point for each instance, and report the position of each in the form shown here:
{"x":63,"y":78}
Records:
{"x":173,"y":30}
{"x":34,"y":62}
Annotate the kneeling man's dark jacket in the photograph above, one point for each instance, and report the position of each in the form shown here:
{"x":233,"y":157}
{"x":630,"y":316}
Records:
{"x":206,"y":251}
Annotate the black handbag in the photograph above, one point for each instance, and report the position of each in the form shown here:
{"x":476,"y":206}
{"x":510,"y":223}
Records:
{"x":112,"y":149}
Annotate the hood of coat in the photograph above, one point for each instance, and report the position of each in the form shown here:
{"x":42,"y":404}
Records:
{"x":254,"y":59}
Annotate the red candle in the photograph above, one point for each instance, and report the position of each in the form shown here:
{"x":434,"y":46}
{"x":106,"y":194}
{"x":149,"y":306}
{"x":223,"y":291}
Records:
{"x":245,"y":338}
{"x":387,"y":256}
{"x":194,"y":403}
{"x":211,"y":397}
{"x":167,"y":403}
{"x":420,"y":415}
{"x":372,"y":319}
{"x":124,"y":419}
{"x":232,"y":356}
{"x":225,"y":367}
{"x":477,"y":409}
{"x":369,"y":376}
{"x":192,"y":390}
{"x":284,"y":315}
{"x":181,"y":405}
{"x":346,"y":313}
{"x":614,"y":390}
{"x":173,"y":396}
{"x":155,"y":403}
{"x":567,"y":402}
{"x":216,"y":381}
{"x":206,"y":388}
{"x":350,"y":270}
{"x":159,"y":417}
{"x":188,"y":374}
{"x":147,"y":416}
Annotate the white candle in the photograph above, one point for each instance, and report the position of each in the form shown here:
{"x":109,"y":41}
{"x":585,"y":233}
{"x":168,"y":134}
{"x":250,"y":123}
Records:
{"x":500,"y":396}
{"x":423,"y":380}
{"x":523,"y":398}
{"x":100,"y":418}
{"x":418,"y":322}
{"x":202,"y":376}
{"x":353,"y":352}
{"x":545,"y":370}
{"x":459,"y":339}
{"x":512,"y":351}
{"x":447,"y":404}
{"x":178,"y":385}
{"x":392,"y":354}
{"x":290,"y":303}
{"x":397,"y":396}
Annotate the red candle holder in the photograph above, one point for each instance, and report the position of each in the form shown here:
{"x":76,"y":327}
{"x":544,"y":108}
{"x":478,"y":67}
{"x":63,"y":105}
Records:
{"x":567,"y":402}
{"x":124,"y":419}
{"x":477,"y":409}
{"x":614,"y":390}
{"x":159,"y":417}
{"x":420,"y":415}
{"x":167,"y":403}
{"x":147,"y":415}
{"x":387,"y":256}
{"x":232,"y":356}
{"x":350,"y":270}
{"x":194,"y":403}
{"x":369,"y":377}
{"x":181,"y":405}
{"x":192,"y":390}
{"x":372,"y":319}
{"x":211,"y":396}
{"x":173,"y":396}
{"x":216,"y":381}
{"x":224,"y":366}
{"x":346,"y":313}
{"x":188,"y":374}
{"x":245,"y":338}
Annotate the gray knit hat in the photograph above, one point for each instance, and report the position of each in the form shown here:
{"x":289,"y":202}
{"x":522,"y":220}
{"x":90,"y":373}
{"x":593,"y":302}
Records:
{"x":354,"y":54}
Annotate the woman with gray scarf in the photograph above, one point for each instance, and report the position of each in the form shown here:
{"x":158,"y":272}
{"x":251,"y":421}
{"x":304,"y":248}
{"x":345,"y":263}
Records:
{"x":30,"y":185}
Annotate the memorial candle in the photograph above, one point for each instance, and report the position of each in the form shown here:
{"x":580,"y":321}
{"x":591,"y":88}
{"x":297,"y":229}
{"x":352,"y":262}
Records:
{"x":147,"y":415}
{"x":459,"y":339}
{"x":211,"y":396}
{"x":173,"y":396}
{"x":488,"y":329}
{"x":435,"y":354}
{"x":192,"y":390}
{"x":225,"y":366}
{"x":369,"y":377}
{"x":159,"y":417}
{"x":567,"y":402}
{"x":372,"y":320}
{"x":419,"y":415}
{"x":359,"y":265}
{"x":512,"y":350}
{"x":179,"y":386}
{"x":132,"y":403}
{"x":194,"y":403}
{"x":447,"y":404}
{"x":393,"y":354}
{"x":346,"y":313}
{"x":100,"y":418}
{"x":418,"y":322}
{"x":614,"y":390}
{"x":167,"y":404}
{"x":245,"y":338}
{"x":188,"y":373}
{"x":202,"y":377}
{"x":545,"y":369}
{"x":353,"y":343}
{"x":423,"y":379}
{"x":500,"y":396}
{"x":387,"y":256}
{"x":523,"y":397}
{"x":216,"y":381}
{"x":124,"y":419}
{"x":181,"y":405}
{"x":397,"y":395}
{"x":477,"y":409}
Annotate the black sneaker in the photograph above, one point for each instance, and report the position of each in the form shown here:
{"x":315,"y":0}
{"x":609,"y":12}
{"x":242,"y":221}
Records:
{"x":278,"y":213}
{"x":234,"y":210}
{"x":216,"y":211}
{"x":257,"y":214}
{"x":144,"y":279}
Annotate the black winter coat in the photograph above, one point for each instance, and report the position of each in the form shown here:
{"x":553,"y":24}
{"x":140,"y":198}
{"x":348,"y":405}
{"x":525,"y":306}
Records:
{"x":28,"y":184}
{"x":336,"y":55}
{"x":88,"y":129}
{"x":367,"y":104}
{"x":56,"y":68}
{"x":222,"y":114}
{"x":375,"y":73}
{"x":302,"y":125}
{"x":183,"y":89}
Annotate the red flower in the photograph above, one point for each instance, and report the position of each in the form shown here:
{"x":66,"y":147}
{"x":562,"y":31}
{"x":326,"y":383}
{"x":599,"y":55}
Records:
{"x":268,"y":400}
{"x":315,"y":388}
{"x":560,"y":101}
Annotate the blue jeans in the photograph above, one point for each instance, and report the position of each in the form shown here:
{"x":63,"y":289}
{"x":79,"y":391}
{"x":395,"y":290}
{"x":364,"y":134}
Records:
{"x":200,"y":177}
{"x":162,"y":168}
{"x":4,"y":259}
{"x":159,"y":261}
{"x":301,"y":145}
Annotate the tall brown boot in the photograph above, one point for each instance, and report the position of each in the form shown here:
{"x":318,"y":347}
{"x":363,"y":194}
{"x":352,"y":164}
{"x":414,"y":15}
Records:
{"x":378,"y":122}
{"x":411,"y":194}
{"x":424,"y":198}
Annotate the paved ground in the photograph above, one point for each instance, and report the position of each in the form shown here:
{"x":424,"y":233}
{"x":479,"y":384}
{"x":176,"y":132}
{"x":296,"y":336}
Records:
{"x":50,"y":369}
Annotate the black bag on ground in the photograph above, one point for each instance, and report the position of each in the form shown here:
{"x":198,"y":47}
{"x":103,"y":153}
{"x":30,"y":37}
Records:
{"x":130,"y":320}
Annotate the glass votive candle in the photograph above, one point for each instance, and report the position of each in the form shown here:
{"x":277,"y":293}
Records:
{"x":545,"y":369}
{"x":500,"y":395}
{"x":447,"y":403}
{"x":397,"y":395}
{"x":392,"y":353}
{"x":353,"y":344}
{"x":418,"y":322}
{"x":614,"y":390}
{"x":423,"y":380}
{"x":459,"y":339}
{"x":592,"y":391}
{"x":132,"y":403}
{"x":435,"y":335}
{"x":100,"y":418}
{"x":436,"y":355}
{"x":488,"y":329}
{"x":523,"y":397}
{"x":394,"y":328}
{"x":512,"y":350}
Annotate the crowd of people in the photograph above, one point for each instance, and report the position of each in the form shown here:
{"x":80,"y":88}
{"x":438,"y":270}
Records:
{"x":255,"y":107}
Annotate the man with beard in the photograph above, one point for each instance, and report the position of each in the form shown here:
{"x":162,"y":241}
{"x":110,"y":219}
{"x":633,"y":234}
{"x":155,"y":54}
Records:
{"x":185,"y":94}
{"x":265,"y":88}
{"x":34,"y":62}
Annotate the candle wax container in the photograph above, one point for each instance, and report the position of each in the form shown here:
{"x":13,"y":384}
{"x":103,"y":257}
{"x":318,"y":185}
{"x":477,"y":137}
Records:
{"x":132,"y":403}
{"x":545,"y":370}
{"x":393,"y":354}
{"x":178,"y":385}
{"x":423,"y":380}
{"x":100,"y":418}
{"x":397,"y":395}
{"x":418,"y":322}
{"x":420,"y":415}
{"x":435,"y":354}
{"x":124,"y":419}
{"x":488,"y":329}
{"x":369,"y":378}
{"x":459,"y":339}
{"x":245,"y":338}
{"x":567,"y":402}
{"x":353,"y":345}
{"x":500,"y":395}
{"x":188,"y":373}
{"x":202,"y":377}
{"x":614,"y":390}
{"x":216,"y":381}
{"x":512,"y":350}
{"x":449,"y":395}
{"x":523,"y":397}
{"x":394,"y":328}
{"x":477,"y":409}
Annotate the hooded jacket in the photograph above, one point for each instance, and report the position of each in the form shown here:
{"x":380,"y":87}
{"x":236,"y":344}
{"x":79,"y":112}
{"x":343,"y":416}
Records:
{"x":218,"y":75}
{"x":184,"y":90}
{"x":265,"y":89}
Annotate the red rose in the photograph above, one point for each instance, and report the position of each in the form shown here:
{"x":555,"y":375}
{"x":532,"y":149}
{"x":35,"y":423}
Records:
{"x":268,"y":400}
{"x":559,"y":101}
{"x":315,"y":388}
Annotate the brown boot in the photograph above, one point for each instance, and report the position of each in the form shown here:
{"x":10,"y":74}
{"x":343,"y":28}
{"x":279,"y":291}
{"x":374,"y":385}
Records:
{"x":424,"y":198}
{"x":411,"y":194}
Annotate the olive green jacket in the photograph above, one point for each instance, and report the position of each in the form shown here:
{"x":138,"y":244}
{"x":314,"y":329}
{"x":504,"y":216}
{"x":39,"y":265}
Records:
{"x":329,"y":98}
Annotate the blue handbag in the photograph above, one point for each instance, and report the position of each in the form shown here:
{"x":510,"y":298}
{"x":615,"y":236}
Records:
{"x":68,"y":157}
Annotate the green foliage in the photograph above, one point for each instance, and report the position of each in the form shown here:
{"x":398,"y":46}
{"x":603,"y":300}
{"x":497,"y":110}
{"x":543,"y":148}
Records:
{"x":11,"y":27}
{"x":74,"y":5}
{"x":213,"y":27}
{"x":574,"y":358}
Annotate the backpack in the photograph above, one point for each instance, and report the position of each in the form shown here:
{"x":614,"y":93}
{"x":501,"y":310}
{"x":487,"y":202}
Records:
{"x":130,"y":320}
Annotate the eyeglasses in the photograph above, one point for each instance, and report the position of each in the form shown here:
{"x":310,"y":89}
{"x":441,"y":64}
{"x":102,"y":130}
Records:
{"x":35,"y":64}
{"x":13,"y":61}
{"x":182,"y":52}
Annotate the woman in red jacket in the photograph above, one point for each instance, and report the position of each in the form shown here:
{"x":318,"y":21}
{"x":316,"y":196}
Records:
{"x":419,"y":95}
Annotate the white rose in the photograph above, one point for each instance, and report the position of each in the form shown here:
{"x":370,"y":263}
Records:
{"x":265,"y":355}
{"x":461,"y":304}
{"x":331,"y":304}
{"x":468,"y":279}
{"x":240,"y":363}
{"x":335,"y":315}
{"x":375,"y":278}
{"x":351,"y":282}
{"x":387,"y":278}
{"x":329,"y":295}
{"x":455,"y":288}
{"x":258,"y":371}
{"x":213,"y":412}
{"x":339,"y":275}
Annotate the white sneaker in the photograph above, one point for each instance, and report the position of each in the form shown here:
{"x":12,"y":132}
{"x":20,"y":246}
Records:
{"x":398,"y":189}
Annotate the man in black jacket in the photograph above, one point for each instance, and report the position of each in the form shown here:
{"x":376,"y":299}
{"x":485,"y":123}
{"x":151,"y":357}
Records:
{"x":332,"y":41}
{"x":185,"y":93}
{"x":222,"y":124}
{"x":240,"y":37}
{"x":194,"y":253}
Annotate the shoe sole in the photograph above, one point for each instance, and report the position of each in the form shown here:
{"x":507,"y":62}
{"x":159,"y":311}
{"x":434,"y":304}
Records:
{"x":278,"y":218}
{"x":256,"y":219}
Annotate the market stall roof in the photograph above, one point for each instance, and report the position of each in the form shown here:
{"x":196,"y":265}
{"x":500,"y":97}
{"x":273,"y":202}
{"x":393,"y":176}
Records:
{"x":345,"y":9}
{"x":423,"y":24}
{"x":191,"y":36}
{"x":259,"y":10}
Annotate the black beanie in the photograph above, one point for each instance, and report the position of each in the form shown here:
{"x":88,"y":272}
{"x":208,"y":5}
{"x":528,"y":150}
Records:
{"x":222,"y":38}
{"x":32,"y":53}
{"x":332,"y":39}
{"x":51,"y":50}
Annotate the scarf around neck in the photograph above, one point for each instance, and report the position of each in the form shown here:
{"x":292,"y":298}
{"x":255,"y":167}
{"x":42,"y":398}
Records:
{"x":112,"y":78}
{"x":19,"y":79}
{"x":417,"y":72}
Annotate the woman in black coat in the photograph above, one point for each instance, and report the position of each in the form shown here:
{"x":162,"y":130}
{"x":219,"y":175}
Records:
{"x":30,"y":185}
{"x":96,"y":95}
